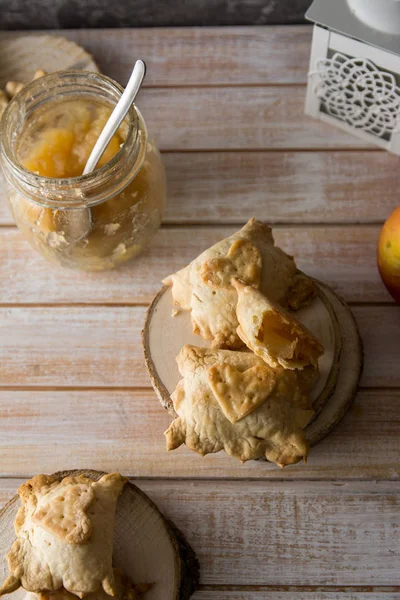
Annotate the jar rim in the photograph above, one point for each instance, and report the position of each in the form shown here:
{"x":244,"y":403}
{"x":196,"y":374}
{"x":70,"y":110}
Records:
{"x":55,"y":189}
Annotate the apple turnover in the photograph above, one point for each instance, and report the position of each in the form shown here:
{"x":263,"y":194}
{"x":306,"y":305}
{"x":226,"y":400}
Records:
{"x":125,"y":590}
{"x":204,"y":286}
{"x":273,"y":333}
{"x":64,"y":535}
{"x":233,"y":401}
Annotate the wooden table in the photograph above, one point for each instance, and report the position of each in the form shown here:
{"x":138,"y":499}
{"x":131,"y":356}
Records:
{"x":226,"y":106}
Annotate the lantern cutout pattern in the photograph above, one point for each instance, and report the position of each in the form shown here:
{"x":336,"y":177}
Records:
{"x":355,"y":86}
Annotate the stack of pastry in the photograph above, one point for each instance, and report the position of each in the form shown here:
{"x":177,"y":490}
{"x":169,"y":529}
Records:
{"x":249,"y":393}
{"x":64,"y":540}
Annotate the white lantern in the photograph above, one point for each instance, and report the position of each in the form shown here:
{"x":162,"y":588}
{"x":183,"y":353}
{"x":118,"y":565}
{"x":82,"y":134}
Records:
{"x":354,"y":77}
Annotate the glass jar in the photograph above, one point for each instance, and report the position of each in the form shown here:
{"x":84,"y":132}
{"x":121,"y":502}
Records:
{"x":90,"y":222}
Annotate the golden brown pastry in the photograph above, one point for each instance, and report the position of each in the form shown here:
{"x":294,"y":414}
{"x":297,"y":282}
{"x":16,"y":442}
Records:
{"x":65,"y":535}
{"x":13,"y":87}
{"x":272,"y":333}
{"x":204,"y":286}
{"x":233,"y":401}
{"x":125,"y":590}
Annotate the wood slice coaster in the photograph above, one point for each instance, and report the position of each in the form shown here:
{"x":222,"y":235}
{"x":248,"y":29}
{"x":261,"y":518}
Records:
{"x":146,"y":546}
{"x":21,"y":56}
{"x":329,"y":319}
{"x":350,"y":366}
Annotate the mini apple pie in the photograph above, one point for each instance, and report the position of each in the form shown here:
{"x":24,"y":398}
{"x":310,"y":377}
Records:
{"x":272,"y":333}
{"x":204,"y":286}
{"x":233,"y":401}
{"x":65,"y":535}
{"x":125,"y":590}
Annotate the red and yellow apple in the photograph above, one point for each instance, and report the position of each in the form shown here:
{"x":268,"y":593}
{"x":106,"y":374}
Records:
{"x":389,"y":254}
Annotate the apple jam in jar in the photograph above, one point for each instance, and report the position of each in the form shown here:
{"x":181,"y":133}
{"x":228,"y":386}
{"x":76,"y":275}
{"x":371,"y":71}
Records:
{"x":90,"y":222}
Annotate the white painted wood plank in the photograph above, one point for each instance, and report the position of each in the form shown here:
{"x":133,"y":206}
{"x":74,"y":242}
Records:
{"x":105,"y":429}
{"x":284,"y":533}
{"x":236,"y":118}
{"x":343,"y":257}
{"x":224,"y":55}
{"x":298,"y":593}
{"x":100,"y":346}
{"x":380,"y":335}
{"x":72,"y":347}
{"x":288,"y":187}
{"x":288,"y":533}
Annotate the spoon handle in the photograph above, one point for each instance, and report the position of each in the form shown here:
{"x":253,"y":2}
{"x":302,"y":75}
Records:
{"x":117,"y":115}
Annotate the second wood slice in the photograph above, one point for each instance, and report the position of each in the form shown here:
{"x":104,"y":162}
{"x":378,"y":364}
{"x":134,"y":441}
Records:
{"x":146,"y":546}
{"x":21,"y":56}
{"x":329,"y":319}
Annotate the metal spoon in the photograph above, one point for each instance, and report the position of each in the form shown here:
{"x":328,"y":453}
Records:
{"x":80,"y":219}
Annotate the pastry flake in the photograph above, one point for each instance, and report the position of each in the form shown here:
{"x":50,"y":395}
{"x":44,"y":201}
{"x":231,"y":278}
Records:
{"x":204,"y":286}
{"x":272,"y":333}
{"x":64,"y":535}
{"x":13,"y":87}
{"x":273,"y":429}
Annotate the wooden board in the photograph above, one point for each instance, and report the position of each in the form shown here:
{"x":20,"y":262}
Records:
{"x":89,"y":346}
{"x":76,"y":346}
{"x":283,"y":187}
{"x":280,"y":186}
{"x":286,"y":593}
{"x":236,"y":118}
{"x":329,"y":319}
{"x":284,"y":533}
{"x":340,"y":390}
{"x":55,"y":428}
{"x":147,"y":547}
{"x":173,"y":248}
{"x":228,"y":56}
{"x":293,"y":533}
{"x":21,"y":56}
{"x":227,"y":107}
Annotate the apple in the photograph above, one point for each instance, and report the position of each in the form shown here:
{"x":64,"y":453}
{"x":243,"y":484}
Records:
{"x":389,"y":254}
